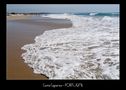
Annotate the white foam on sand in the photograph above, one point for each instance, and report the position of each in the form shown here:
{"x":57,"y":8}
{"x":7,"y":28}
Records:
{"x":87,"y":50}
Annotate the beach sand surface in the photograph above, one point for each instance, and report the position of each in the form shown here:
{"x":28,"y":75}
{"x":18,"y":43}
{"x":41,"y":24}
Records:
{"x":22,"y":30}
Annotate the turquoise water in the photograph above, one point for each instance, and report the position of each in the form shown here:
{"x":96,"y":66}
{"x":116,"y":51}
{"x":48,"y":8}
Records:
{"x":98,"y":14}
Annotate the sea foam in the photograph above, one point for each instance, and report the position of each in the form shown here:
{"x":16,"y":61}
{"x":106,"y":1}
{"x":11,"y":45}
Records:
{"x":87,"y":50}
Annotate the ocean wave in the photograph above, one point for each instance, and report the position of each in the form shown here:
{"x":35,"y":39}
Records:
{"x":93,"y":14}
{"x":111,"y":14}
{"x":87,"y":50}
{"x":107,"y":14}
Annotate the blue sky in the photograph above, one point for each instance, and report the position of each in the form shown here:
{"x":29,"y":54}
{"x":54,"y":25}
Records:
{"x":63,"y":8}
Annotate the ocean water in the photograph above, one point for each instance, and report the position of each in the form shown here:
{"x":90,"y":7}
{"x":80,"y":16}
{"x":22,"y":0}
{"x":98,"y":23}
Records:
{"x":113,"y":14}
{"x":87,"y":50}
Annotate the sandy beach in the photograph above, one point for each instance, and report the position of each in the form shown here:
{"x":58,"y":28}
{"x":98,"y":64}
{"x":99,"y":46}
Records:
{"x":22,"y":30}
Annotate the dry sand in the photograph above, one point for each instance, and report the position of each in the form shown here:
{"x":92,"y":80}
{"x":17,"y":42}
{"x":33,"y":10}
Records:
{"x":18,"y":17}
{"x":22,"y":30}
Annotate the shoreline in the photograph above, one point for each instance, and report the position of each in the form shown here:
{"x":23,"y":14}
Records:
{"x":22,"y":30}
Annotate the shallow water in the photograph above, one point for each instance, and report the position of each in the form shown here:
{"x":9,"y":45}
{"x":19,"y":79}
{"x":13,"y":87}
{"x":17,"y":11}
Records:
{"x":19,"y":33}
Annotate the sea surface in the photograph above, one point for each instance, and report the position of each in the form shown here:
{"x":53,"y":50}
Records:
{"x":87,"y":50}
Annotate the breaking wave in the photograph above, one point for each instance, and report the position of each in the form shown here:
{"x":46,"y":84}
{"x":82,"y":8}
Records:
{"x":87,"y":50}
{"x":93,"y":14}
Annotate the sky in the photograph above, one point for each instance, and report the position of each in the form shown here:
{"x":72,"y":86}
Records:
{"x":63,"y":8}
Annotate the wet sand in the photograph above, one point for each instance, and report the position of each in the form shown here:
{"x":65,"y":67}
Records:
{"x":21,"y":31}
